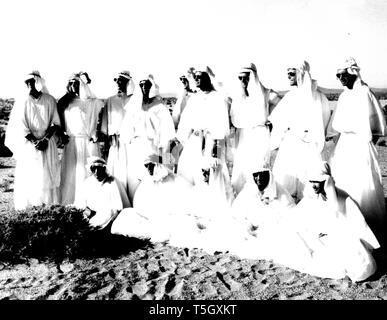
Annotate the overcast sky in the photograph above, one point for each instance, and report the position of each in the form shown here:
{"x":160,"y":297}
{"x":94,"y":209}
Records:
{"x":166,"y":37}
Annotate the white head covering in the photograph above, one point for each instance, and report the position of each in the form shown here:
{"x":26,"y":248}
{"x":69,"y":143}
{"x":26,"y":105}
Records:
{"x":351,"y":66}
{"x":322,"y":172}
{"x":40,"y":83}
{"x":204,"y":68}
{"x":130,"y":85}
{"x":84,"y":89}
{"x":254,"y":111}
{"x":271,"y":189}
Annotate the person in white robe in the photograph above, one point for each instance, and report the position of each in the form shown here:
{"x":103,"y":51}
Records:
{"x":112,"y":116}
{"x":357,"y":119}
{"x":101,"y":195}
{"x":147,"y":128}
{"x":32,"y":135}
{"x":183,"y":96}
{"x":80,"y":117}
{"x":299,"y":126}
{"x":161,"y":198}
{"x":262,"y":199}
{"x":324,"y":235}
{"x":249,"y":113}
{"x":203,"y":129}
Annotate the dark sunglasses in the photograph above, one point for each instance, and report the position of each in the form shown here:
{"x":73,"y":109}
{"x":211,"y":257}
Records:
{"x":243,"y":77}
{"x":197,"y":76}
{"x":291,"y":74}
{"x":341,"y":75}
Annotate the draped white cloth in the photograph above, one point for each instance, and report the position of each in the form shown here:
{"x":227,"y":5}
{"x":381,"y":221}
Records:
{"x":249,"y":115}
{"x":256,"y":207}
{"x":204,"y":118}
{"x":299,"y":125}
{"x":106,"y":198}
{"x":112,"y":119}
{"x":81,"y":117}
{"x":354,"y":163}
{"x":158,"y":202}
{"x":145,"y":131}
{"x":37,"y":173}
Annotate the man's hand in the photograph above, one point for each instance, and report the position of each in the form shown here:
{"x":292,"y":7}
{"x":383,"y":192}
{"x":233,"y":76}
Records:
{"x":88,"y":213}
{"x":42,"y":144}
{"x":269,"y":125}
{"x":31,"y":138}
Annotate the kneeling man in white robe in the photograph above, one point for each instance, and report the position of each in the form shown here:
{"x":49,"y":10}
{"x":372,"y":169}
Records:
{"x":333,"y":230}
{"x":101,"y":195}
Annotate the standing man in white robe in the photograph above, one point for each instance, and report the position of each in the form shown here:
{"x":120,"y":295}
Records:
{"x":183,"y":97}
{"x":358,"y":118}
{"x":101,"y":196}
{"x":31,"y":135}
{"x":111,"y":118}
{"x":203,"y":128}
{"x":249,"y":113}
{"x":147,"y":128}
{"x":80,"y":117}
{"x":299,"y":129}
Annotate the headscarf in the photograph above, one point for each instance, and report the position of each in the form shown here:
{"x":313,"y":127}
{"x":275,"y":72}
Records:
{"x":351,"y":66}
{"x":40,"y":83}
{"x":377,"y":119}
{"x":130,"y":85}
{"x":84,"y":89}
{"x":254,"y":112}
{"x":322,"y":172}
{"x":95,"y":161}
{"x":271,"y":189}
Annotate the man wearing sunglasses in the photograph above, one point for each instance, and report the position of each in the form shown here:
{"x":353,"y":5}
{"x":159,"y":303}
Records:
{"x":250,"y":107}
{"x":300,"y":122}
{"x":203,"y":127}
{"x":186,"y":93}
{"x":358,"y":120}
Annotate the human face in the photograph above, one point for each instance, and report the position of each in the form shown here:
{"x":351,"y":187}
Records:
{"x":317,"y":186}
{"x":206,"y":175}
{"x":73,"y":86}
{"x":346,"y":79}
{"x":292,"y":76}
{"x":122,"y":83}
{"x":261,"y":179}
{"x":184,"y":81}
{"x":145,"y":86}
{"x":30,"y":84}
{"x":198,"y":77}
{"x":150,"y":166}
{"x":99,"y":172}
{"x":244,"y":78}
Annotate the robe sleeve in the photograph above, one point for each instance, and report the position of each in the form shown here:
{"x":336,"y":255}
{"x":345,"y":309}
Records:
{"x":110,"y":211}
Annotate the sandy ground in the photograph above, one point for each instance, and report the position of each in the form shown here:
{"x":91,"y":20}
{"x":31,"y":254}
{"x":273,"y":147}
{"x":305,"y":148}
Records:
{"x":165,"y":272}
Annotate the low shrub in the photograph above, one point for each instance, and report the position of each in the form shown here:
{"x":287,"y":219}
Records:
{"x":55,"y":233}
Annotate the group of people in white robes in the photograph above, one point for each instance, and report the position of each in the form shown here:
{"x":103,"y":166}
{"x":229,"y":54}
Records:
{"x":165,"y":176}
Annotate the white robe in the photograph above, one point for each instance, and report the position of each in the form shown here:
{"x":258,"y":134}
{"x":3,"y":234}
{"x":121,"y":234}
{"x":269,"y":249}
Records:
{"x":37,"y":173}
{"x":112,"y":119}
{"x":205,"y":117}
{"x":354,"y":162}
{"x":157,"y":205}
{"x":107,"y":198}
{"x":145,"y":132}
{"x":257,"y":208}
{"x":81,"y":118}
{"x":249,"y":116}
{"x":299,"y":125}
